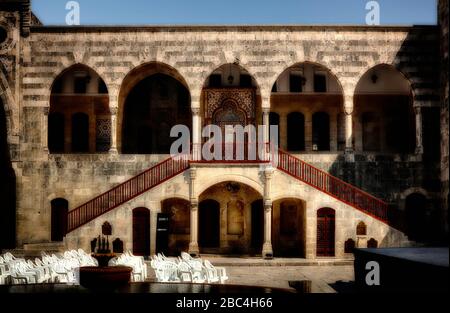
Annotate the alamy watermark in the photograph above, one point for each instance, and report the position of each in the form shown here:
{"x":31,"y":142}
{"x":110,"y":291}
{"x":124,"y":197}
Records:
{"x":373,"y":16}
{"x":73,"y":14}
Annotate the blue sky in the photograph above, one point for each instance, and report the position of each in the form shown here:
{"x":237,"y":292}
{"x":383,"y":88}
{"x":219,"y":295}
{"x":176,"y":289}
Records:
{"x":133,"y":12}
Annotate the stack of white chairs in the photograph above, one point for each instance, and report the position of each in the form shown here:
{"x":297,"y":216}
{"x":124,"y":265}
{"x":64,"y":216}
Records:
{"x":186,"y":269}
{"x":47,"y":269}
{"x":137,"y":263}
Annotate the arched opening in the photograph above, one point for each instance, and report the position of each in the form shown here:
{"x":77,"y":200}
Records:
{"x":361,"y":229}
{"x":178,"y":213}
{"x":153,"y":98}
{"x":60,"y":209}
{"x":372,"y":243}
{"x":298,"y":93}
{"x":230,"y":97}
{"x":416,"y":217}
{"x":321,"y":131}
{"x":7,"y":188}
{"x":141,"y":231}
{"x":384,"y":119}
{"x":79,"y":118}
{"x":325,"y":232}
{"x":80,"y":132}
{"x":209,"y":224}
{"x":295,"y":132}
{"x":231,"y":219}
{"x":288,"y":228}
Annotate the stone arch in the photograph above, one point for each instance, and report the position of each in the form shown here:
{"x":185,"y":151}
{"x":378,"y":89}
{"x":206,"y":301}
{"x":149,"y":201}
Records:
{"x":361,"y":229}
{"x":412,"y":190}
{"x":138,"y":75}
{"x":383,"y":108}
{"x":75,"y":79}
{"x":206,"y":184}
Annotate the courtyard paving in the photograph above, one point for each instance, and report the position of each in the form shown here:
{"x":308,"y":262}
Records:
{"x":277,"y":273}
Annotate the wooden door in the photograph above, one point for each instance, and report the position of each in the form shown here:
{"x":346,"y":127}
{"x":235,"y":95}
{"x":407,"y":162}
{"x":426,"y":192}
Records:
{"x":141,"y":231}
{"x":325,"y":232}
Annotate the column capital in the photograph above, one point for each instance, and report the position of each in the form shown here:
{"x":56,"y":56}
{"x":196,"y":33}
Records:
{"x":114,"y":110}
{"x":195,"y":111}
{"x":417,"y":110}
{"x":46,"y":110}
{"x":268,"y":172}
{"x":268,"y":205}
{"x":194,"y":204}
{"x":265,"y":110}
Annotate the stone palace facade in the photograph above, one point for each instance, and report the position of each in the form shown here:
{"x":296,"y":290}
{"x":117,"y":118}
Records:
{"x":86,"y":113}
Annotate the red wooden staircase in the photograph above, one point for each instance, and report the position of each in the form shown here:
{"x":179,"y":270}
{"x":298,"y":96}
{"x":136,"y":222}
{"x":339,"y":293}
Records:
{"x":171,"y":167}
{"x":126,"y":191}
{"x":333,"y":186}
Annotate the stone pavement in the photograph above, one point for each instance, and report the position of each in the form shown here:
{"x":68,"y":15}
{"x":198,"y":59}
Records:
{"x":278,"y":272}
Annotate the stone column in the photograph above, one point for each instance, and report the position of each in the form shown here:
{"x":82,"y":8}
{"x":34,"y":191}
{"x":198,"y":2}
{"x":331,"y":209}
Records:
{"x":193,"y":243}
{"x":348,"y":110}
{"x":113,"y":149}
{"x":267,"y":251}
{"x":45,"y":130}
{"x":419,"y":130}
{"x":196,"y":139}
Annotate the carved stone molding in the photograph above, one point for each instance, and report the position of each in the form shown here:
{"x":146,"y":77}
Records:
{"x":244,"y":97}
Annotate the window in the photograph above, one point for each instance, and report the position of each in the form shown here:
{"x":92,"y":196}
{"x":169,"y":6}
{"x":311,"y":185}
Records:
{"x":274,"y":119}
{"x":3,"y":35}
{"x":80,"y":84}
{"x":320,"y":83}
{"x":295,"y":82}
{"x":349,"y":246}
{"x":215,"y":81}
{"x":245,"y":81}
{"x":372,"y":243}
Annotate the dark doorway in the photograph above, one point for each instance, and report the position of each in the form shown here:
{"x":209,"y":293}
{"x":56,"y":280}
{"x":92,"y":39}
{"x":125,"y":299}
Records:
{"x":431,"y":121}
{"x":56,"y":132}
{"x":141,"y":231}
{"x":257,"y":239}
{"x":60,"y":208}
{"x":295,"y":132}
{"x":371,"y":131}
{"x":7,"y":188}
{"x":209,"y":224}
{"x":80,"y":132}
{"x":325,"y":232}
{"x":162,"y":233}
{"x":416,"y":217}
{"x":274,"y":120}
{"x":321,"y":131}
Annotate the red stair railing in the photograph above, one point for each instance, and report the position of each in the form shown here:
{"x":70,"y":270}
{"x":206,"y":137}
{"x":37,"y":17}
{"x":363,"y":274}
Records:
{"x":126,"y":191}
{"x":333,"y":186}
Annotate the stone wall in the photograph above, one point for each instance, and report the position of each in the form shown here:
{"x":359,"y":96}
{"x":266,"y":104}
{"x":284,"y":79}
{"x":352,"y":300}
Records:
{"x":193,"y":52}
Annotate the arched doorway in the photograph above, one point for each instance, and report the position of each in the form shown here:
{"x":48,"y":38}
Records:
{"x":416,"y":217}
{"x":325,"y":232}
{"x":177,"y":212}
{"x":153,"y":98}
{"x":60,"y":209}
{"x":231,"y":219}
{"x":321,"y":131}
{"x":141,"y":231}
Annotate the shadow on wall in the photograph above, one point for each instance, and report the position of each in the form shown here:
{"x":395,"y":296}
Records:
{"x":7,"y":189}
{"x":387,"y":175}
